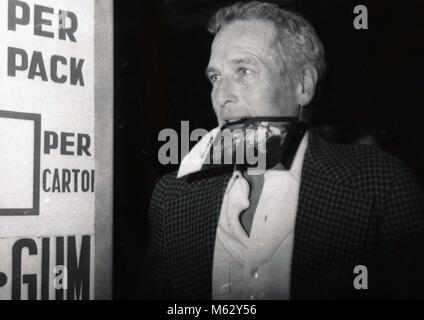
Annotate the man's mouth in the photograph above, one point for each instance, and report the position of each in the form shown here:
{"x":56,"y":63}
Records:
{"x":234,"y":120}
{"x":233,"y":123}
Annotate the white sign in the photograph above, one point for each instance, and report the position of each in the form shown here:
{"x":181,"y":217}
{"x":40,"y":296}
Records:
{"x":47,"y":168}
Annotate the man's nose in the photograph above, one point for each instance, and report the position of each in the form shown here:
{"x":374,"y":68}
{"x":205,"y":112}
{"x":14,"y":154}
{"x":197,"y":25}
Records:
{"x":225,"y":91}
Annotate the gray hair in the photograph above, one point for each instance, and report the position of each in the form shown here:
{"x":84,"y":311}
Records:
{"x":299,"y":42}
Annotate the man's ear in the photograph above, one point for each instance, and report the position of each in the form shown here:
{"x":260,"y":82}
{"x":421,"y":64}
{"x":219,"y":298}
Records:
{"x":306,"y":85}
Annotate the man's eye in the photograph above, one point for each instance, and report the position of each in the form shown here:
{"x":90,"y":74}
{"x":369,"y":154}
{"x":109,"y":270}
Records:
{"x":243,"y":71}
{"x":213,"y":78}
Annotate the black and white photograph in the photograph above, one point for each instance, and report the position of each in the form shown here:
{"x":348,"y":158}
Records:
{"x":213,"y":151}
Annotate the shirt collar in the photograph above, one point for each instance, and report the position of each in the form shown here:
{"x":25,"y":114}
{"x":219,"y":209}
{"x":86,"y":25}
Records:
{"x":194,"y":160}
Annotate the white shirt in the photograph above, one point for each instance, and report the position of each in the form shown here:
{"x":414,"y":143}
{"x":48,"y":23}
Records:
{"x":257,"y":267}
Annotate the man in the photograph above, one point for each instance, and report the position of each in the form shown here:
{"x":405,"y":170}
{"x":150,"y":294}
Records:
{"x":292,"y":232}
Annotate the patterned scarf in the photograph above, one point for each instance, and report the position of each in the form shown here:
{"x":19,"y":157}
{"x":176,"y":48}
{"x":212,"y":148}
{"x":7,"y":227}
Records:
{"x":244,"y":143}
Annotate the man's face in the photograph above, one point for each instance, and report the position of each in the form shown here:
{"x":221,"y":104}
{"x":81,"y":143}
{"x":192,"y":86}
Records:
{"x":245,"y":69}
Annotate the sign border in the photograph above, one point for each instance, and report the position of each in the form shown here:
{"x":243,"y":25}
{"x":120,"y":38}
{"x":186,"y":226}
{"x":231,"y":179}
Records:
{"x":35,"y":210}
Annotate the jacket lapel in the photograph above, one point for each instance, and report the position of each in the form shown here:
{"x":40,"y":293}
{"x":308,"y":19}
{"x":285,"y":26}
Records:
{"x":192,"y":230}
{"x":331,"y":223}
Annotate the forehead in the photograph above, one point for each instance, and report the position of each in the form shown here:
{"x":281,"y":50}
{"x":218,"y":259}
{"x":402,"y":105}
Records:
{"x":256,"y":37}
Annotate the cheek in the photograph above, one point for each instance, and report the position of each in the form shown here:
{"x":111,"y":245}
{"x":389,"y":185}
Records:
{"x":279,"y":95}
{"x":278,"y":89}
{"x":260,"y":93}
{"x":215,"y":105}
{"x":269,"y":99}
{"x":214,"y":101}
{"x":261,"y":89}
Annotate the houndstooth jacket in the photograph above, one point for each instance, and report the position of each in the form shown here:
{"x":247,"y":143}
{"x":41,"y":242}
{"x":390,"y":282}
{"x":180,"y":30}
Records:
{"x":357,"y":206}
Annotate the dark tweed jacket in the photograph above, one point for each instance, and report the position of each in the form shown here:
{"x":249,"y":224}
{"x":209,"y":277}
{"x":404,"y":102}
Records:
{"x":357,"y":206}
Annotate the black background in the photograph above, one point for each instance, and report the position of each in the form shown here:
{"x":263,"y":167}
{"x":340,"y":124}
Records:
{"x":374,"y":82}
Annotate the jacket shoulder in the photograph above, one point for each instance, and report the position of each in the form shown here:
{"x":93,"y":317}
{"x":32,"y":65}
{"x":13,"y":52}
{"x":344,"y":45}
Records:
{"x":372,"y":169}
{"x":169,"y":187}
